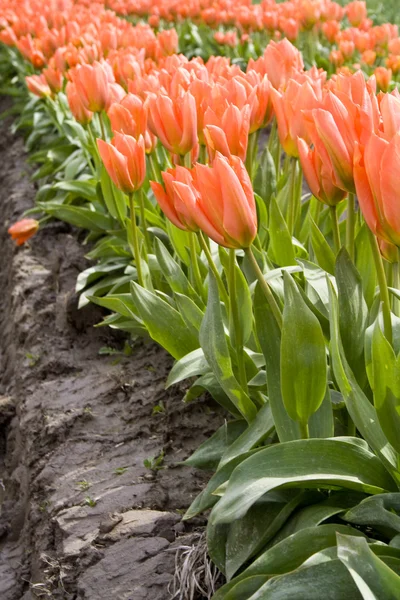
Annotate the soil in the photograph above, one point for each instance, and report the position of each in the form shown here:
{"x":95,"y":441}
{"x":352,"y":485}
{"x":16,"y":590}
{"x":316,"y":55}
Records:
{"x":81,"y":516}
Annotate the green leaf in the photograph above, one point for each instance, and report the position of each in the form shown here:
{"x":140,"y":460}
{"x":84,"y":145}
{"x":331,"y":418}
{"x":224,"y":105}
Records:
{"x":78,"y":216}
{"x":265,"y":179}
{"x":208,"y":454}
{"x":361,"y":411}
{"x":380,"y":512}
{"x":269,"y":337}
{"x":84,"y":189}
{"x":303,"y":357}
{"x":364,"y":260}
{"x":180,"y":242}
{"x":118,"y":303}
{"x":353,"y":314}
{"x":374,"y":579}
{"x":113,"y":198}
{"x":215,"y":348}
{"x":280,"y":239}
{"x":302,"y":463}
{"x":322,"y":250}
{"x":190,"y":312}
{"x":208,"y":383}
{"x":284,"y":557}
{"x":386,"y":386}
{"x":189,"y":365}
{"x":164,"y":323}
{"x":173,"y":273}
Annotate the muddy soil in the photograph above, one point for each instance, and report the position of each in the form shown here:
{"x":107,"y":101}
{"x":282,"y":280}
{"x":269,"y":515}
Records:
{"x":81,"y":516}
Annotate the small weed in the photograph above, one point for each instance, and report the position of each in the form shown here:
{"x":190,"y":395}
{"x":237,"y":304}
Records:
{"x":90,"y":501}
{"x":33,"y":358}
{"x":120,"y":470}
{"x":43,"y":507}
{"x":155,"y":463}
{"x":83,"y":485}
{"x":158,"y":408}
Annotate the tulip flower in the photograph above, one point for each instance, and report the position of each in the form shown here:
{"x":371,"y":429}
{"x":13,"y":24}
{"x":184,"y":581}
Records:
{"x":174,"y":121}
{"x":170,"y":203}
{"x":221,"y":201}
{"x":356,"y":12}
{"x":125,"y":161}
{"x":229,"y":134}
{"x":383,"y":78}
{"x":38,"y":85}
{"x":81,"y":114}
{"x":92,"y":85}
{"x":22,"y":230}
{"x":129,"y":116}
{"x":376,"y":179}
{"x":280,"y":61}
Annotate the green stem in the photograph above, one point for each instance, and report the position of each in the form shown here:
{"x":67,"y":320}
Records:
{"x":293,"y":199}
{"x":94,"y":144}
{"x":380,"y":271}
{"x":195,"y":265}
{"x":234,"y":319}
{"x":396,"y":285}
{"x":143,"y":221}
{"x":136,"y":248}
{"x":102,"y":128}
{"x":251,"y":152}
{"x":153,"y":168}
{"x":211,"y":263}
{"x":265,"y":287}
{"x":304,"y":431}
{"x":350,"y":225}
{"x":187,"y":160}
{"x":335,"y":229}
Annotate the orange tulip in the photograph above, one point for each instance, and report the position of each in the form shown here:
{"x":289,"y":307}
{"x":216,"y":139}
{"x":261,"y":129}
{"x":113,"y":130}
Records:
{"x":81,"y":114}
{"x":376,"y":179}
{"x":383,"y":78}
{"x":170,"y":203}
{"x":125,"y":161}
{"x":221,"y":201}
{"x":228,"y":134}
{"x":174,"y":121}
{"x":356,"y":12}
{"x":38,"y":85}
{"x":318,"y":172}
{"x":22,"y":230}
{"x":330,"y":29}
{"x":280,"y":61}
{"x":92,"y":85}
{"x":54,"y":79}
{"x":129,"y":116}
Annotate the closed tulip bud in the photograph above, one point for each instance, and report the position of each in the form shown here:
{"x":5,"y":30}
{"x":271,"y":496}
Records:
{"x":383,"y":78}
{"x":174,"y":121}
{"x":22,"y":230}
{"x":170,"y":202}
{"x":54,"y":79}
{"x":129,"y":116}
{"x":81,"y":114}
{"x":228,"y":134}
{"x":356,"y":12}
{"x":330,"y":29}
{"x":125,"y":161}
{"x":92,"y":86}
{"x":38,"y":85}
{"x":221,"y":202}
{"x":280,"y":61}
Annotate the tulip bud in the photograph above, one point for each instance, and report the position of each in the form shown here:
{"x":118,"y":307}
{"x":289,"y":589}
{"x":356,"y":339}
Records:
{"x":125,"y":161}
{"x":171,"y":204}
{"x":22,"y":230}
{"x":38,"y":85}
{"x":174,"y":121}
{"x":81,"y":114}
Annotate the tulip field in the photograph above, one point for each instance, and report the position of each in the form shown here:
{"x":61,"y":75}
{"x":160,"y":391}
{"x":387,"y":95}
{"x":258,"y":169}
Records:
{"x":200,"y":326}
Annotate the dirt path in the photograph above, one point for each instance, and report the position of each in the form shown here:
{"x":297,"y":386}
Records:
{"x":81,"y":517}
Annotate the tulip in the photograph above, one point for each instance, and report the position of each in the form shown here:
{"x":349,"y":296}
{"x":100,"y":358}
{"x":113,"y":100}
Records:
{"x":174,"y":121}
{"x":81,"y":114}
{"x":330,"y":29}
{"x":125,"y":161}
{"x":170,"y":203}
{"x":221,"y":202}
{"x":280,"y":61}
{"x":38,"y":85}
{"x":383,"y":78}
{"x":129,"y":117}
{"x":54,"y":79}
{"x":318,"y":172}
{"x":356,"y":12}
{"x":22,"y":230}
{"x":92,"y":86}
{"x":228,"y":135}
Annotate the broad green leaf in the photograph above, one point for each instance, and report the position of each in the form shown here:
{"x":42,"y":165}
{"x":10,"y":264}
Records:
{"x":386,"y":386}
{"x":209,"y":383}
{"x":382,"y":512}
{"x":269,"y":337}
{"x":364,"y":261}
{"x":265,"y":179}
{"x":190,"y":312}
{"x":246,"y":536}
{"x":190,"y":365}
{"x":113,"y":198}
{"x":180,"y":242}
{"x":90,"y":275}
{"x":353,"y":314}
{"x":322,"y":250}
{"x":84,"y":189}
{"x":244,"y":302}
{"x":285,"y":557}
{"x":321,"y":423}
{"x":215,"y":348}
{"x":208,"y":455}
{"x":164,"y":323}
{"x":254,"y":434}
{"x":118,"y":303}
{"x":361,"y":411}
{"x":79,"y":216}
{"x":303,"y":357}
{"x":302,"y":463}
{"x":173,"y":273}
{"x":280,"y":239}
{"x":374,"y":579}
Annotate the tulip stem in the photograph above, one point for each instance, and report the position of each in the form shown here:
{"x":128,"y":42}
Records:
{"x":235,"y":320}
{"x":195,"y":265}
{"x":140,"y":195}
{"x":304,"y":431}
{"x":265,"y":287}
{"x":211,"y":263}
{"x":293,"y":198}
{"x":350,"y":225}
{"x":102,"y":128}
{"x":335,"y":229}
{"x":396,"y":285}
{"x":251,"y":152}
{"x":383,"y":287}
{"x":136,"y":248}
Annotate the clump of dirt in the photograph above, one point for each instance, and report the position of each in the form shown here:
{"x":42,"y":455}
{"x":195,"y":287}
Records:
{"x":81,"y":516}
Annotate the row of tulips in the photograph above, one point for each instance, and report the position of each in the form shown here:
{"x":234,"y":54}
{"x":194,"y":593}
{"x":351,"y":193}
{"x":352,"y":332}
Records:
{"x":283,"y":305}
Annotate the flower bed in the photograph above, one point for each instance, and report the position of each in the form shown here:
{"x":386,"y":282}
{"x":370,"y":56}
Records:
{"x":277,"y":297}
